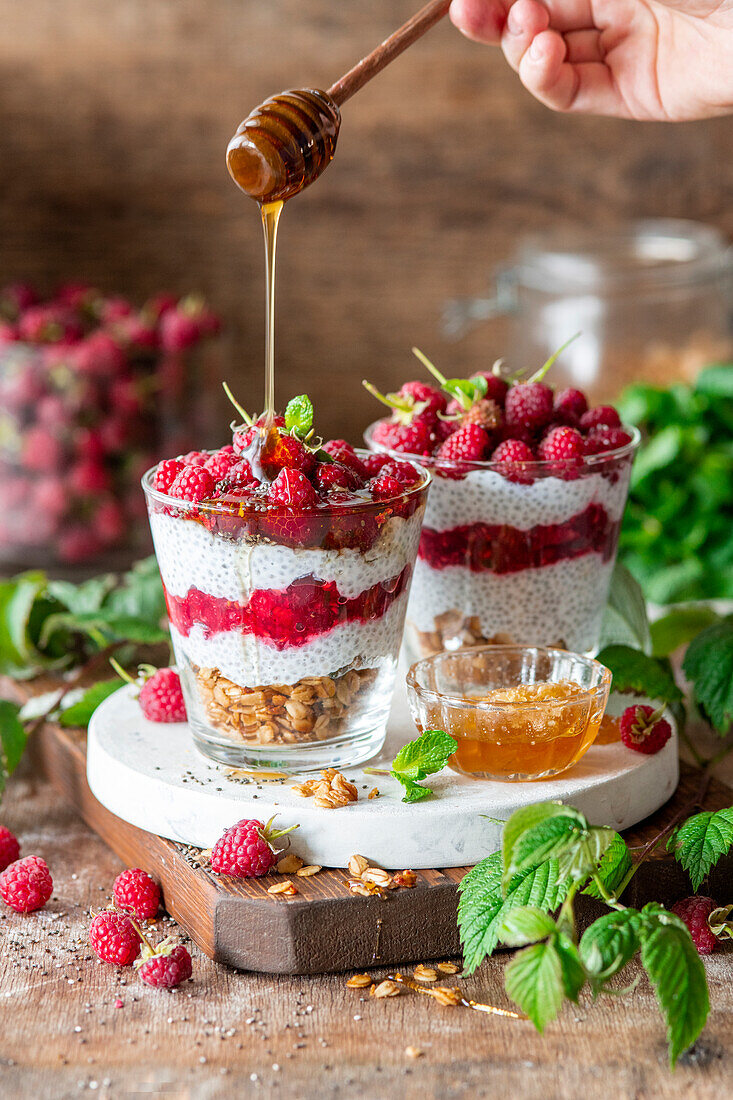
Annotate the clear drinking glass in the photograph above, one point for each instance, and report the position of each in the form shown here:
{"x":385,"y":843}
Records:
{"x":286,"y":623}
{"x":523,"y":556}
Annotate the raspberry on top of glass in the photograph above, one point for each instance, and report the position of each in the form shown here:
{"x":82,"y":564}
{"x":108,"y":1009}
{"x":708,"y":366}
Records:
{"x":286,"y":563}
{"x":522,"y":523}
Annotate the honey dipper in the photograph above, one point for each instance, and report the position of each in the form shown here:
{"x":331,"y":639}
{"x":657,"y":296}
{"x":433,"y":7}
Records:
{"x":290,"y":139}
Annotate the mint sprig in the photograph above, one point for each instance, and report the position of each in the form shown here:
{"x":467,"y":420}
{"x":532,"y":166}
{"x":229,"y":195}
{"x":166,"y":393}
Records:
{"x":420,"y":758}
{"x":299,"y":416}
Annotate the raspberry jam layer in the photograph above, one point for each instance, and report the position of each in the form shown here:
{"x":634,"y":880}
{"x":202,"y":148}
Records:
{"x":292,"y":616}
{"x":495,"y":548}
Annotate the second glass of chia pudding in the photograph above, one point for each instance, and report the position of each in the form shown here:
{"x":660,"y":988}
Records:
{"x":520,"y":533}
{"x":286,"y":567}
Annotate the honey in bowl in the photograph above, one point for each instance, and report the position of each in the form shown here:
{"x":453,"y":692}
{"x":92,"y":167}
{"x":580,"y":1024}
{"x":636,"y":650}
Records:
{"x":516,"y":712}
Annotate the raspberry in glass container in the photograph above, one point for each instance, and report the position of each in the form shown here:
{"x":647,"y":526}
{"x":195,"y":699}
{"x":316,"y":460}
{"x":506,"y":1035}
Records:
{"x":528,"y":493}
{"x":286,"y":583}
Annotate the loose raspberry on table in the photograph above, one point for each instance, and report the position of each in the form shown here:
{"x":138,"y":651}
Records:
{"x":694,"y":912}
{"x":529,"y":405}
{"x":193,"y":483}
{"x":568,"y":406}
{"x":292,"y":487}
{"x":410,"y":439}
{"x":136,"y":892}
{"x":562,"y":445}
{"x":26,"y":884}
{"x":470,"y":443}
{"x":161,"y":697}
{"x":600,"y":440}
{"x":166,"y":968}
{"x":245,"y":850}
{"x":114,"y":938}
{"x":166,"y":473}
{"x":643,"y":729}
{"x":9,"y":848}
{"x":344,"y":453}
{"x":601,"y":415}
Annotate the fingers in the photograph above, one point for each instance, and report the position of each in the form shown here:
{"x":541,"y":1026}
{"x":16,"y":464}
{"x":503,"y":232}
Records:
{"x":525,"y":20}
{"x":481,"y":20}
{"x":585,"y":86}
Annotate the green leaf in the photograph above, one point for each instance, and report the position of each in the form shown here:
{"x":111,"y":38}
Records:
{"x":677,"y":974}
{"x":525,"y":924}
{"x":678,"y":627}
{"x":625,"y":618}
{"x":701,"y":841}
{"x":482,"y":904}
{"x":18,"y":655}
{"x":639,"y":674}
{"x":612,"y":869}
{"x":417,"y":759}
{"x":659,"y":452}
{"x":140,"y":594}
{"x":708,"y":664}
{"x":584,"y":853}
{"x":13,"y":739}
{"x":534,"y":981}
{"x":79,"y":713}
{"x":107,"y":625}
{"x":81,"y":598}
{"x":609,"y":944}
{"x":716,"y":380}
{"x":299,"y":415}
{"x":573,"y":974}
{"x":555,"y":838}
{"x":527,"y":818}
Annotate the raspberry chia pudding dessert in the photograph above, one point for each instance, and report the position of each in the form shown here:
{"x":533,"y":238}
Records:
{"x":528,"y":493}
{"x":286,"y":565}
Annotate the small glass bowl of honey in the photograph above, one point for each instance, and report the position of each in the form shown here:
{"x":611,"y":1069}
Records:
{"x":518,"y":713}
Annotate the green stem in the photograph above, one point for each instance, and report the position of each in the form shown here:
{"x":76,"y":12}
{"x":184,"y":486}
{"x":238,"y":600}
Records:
{"x":609,"y":899}
{"x":426,"y":363}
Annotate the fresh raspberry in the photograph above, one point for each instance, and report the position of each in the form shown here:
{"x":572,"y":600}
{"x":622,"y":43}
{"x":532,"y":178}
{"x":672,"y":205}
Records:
{"x":50,"y":323}
{"x":245,"y":849}
{"x":410,"y":439}
{"x":161,"y":698}
{"x":167,"y":967}
{"x":178,"y":330}
{"x":292,"y":487}
{"x":166,"y":473}
{"x":433,"y":400}
{"x":496,"y":387}
{"x":240,"y":473}
{"x":568,"y":406}
{"x":114,"y":938}
{"x":50,"y":496}
{"x":20,"y":296}
{"x":694,"y":912}
{"x":134,"y":330}
{"x":194,"y":458}
{"x":193,"y":483}
{"x":469,"y":444}
{"x":334,"y":475}
{"x":344,"y":453}
{"x":512,"y":454}
{"x":114,"y":309}
{"x":26,"y":884}
{"x":441,"y":430}
{"x":601,"y":415}
{"x":486,"y":413}
{"x":286,"y":452}
{"x":384,"y":487}
{"x":403,"y":472}
{"x":9,"y":848}
{"x":562,"y":445}
{"x":528,"y":404}
{"x":219,"y":464}
{"x":374,"y":462}
{"x":125,"y":397}
{"x":644,"y":730}
{"x":603,"y":439}
{"x":137,"y":893}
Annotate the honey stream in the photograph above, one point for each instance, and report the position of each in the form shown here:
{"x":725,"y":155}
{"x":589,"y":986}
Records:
{"x":271,"y":212}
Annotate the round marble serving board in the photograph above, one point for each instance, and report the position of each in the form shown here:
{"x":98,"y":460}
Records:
{"x":151,"y":776}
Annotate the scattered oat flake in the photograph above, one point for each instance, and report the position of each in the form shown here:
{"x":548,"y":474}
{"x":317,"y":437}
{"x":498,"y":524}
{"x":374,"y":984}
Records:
{"x":287,"y":888}
{"x":377,"y":876}
{"x":357,"y":865}
{"x":288,"y":865}
{"x":306,"y":872}
{"x":448,"y":997}
{"x":359,"y":981}
{"x":374,"y":792}
{"x":387,"y":988}
{"x":425,"y":973}
{"x":266,"y":777}
{"x":414,"y":1052}
{"x":448,"y":968}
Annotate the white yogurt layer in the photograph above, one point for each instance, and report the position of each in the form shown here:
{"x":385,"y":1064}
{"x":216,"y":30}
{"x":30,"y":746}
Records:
{"x":189,"y":556}
{"x":564,"y":601}
{"x":252,"y":662}
{"x":484,"y":496}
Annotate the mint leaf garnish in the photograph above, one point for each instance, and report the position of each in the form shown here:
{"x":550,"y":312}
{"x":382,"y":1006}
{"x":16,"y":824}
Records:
{"x":639,"y":674}
{"x":701,"y":841}
{"x":534,"y":979}
{"x":79,"y":713}
{"x":12,"y":740}
{"x":417,"y":759}
{"x":482,"y":905}
{"x":299,"y":416}
{"x":708,"y":664}
{"x":677,"y":974}
{"x":609,"y":944}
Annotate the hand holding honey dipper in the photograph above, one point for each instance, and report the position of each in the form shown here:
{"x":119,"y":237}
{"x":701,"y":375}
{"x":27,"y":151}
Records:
{"x":664,"y":60}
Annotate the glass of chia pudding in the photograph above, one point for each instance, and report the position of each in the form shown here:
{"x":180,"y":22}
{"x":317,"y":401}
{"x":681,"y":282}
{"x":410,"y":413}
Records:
{"x":286,"y":570}
{"x":519,"y":539}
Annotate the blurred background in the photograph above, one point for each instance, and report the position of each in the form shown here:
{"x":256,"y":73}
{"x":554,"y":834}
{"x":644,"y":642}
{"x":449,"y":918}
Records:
{"x":114,"y":119}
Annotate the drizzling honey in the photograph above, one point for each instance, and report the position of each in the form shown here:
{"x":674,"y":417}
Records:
{"x":270,"y":220}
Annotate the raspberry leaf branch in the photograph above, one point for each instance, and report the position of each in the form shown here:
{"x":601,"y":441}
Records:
{"x":708,"y":664}
{"x":701,"y":842}
{"x":420,"y":758}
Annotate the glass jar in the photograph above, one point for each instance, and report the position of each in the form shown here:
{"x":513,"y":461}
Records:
{"x":651,"y":300}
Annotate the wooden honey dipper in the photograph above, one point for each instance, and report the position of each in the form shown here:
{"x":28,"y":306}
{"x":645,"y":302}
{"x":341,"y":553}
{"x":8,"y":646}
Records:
{"x":290,"y":139}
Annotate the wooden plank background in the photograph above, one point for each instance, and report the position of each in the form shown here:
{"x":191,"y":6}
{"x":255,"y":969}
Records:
{"x":114,"y":117}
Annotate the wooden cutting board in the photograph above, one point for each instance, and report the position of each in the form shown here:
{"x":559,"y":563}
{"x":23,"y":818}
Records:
{"x":324,"y":927}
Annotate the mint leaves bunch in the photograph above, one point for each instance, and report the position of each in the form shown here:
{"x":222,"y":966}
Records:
{"x":420,"y":758}
{"x":523,"y":897}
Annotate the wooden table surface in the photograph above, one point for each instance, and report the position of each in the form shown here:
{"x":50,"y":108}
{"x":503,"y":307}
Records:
{"x":231,"y":1034}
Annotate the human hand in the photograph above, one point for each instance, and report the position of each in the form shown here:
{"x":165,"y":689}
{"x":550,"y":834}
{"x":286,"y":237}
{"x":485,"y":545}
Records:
{"x":668,"y":60}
